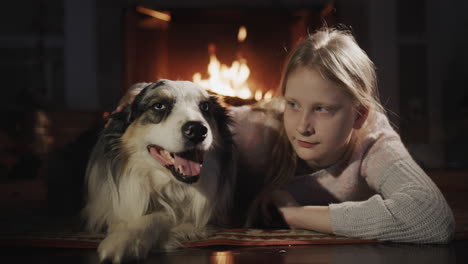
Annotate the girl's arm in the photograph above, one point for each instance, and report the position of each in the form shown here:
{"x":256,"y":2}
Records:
{"x":409,"y":207}
{"x":315,"y":218}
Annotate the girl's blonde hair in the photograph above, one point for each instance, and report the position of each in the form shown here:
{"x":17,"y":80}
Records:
{"x":335,"y":54}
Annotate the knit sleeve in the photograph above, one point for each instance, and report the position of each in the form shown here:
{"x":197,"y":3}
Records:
{"x":408,"y":207}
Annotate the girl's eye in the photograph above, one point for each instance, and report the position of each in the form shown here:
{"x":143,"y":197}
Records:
{"x":205,"y":106}
{"x":321,"y":109}
{"x":292,"y":105}
{"x":159,"y":106}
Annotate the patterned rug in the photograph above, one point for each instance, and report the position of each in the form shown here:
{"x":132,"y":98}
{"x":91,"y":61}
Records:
{"x":38,"y":230}
{"x":264,"y":237}
{"x":229,"y":237}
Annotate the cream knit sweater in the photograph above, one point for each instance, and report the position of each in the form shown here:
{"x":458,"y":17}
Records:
{"x":377,"y":192}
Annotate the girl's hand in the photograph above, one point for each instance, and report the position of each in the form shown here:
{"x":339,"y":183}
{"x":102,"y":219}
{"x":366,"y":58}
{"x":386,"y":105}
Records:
{"x":128,"y":98}
{"x":286,"y":205}
{"x":315,"y":218}
{"x":269,"y":207}
{"x":283,"y":199}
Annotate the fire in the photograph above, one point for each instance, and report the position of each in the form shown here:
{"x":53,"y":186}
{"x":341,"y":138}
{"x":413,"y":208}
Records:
{"x":229,"y":81}
{"x":242,"y":34}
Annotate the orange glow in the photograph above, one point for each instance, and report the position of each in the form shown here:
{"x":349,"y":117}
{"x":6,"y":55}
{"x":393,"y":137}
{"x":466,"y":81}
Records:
{"x":222,"y":257}
{"x":230,"y":81}
{"x":224,"y":80}
{"x":156,"y":14}
{"x":268,"y":95}
{"x":258,"y":95}
{"x":242,"y":34}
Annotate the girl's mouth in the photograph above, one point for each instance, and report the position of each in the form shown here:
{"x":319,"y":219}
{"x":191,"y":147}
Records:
{"x":306,"y":144}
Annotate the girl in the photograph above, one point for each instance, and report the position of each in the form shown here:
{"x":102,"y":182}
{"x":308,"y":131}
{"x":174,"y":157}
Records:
{"x":329,"y":159}
{"x":345,"y":169}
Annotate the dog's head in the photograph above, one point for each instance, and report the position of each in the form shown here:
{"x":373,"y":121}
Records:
{"x":175,"y":123}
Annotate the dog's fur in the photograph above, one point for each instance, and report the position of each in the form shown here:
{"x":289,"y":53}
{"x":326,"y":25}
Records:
{"x":144,"y":204}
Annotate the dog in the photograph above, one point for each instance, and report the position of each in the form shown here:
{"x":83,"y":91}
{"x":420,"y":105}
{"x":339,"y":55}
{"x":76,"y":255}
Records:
{"x":161,"y":172}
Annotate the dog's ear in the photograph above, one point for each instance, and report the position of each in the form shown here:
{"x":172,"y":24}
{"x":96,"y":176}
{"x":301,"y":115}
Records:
{"x":118,"y":124}
{"x":227,"y":157}
{"x":137,"y":107}
{"x":223,"y":120}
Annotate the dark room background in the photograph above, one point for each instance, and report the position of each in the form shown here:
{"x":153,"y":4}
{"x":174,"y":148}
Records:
{"x":65,"y":63}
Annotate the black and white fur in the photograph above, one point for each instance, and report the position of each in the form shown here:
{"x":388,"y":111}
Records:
{"x":143,"y":204}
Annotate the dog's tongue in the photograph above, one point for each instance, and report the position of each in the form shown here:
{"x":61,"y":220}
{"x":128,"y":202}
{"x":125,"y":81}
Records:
{"x":187,"y":167}
{"x":183,"y":165}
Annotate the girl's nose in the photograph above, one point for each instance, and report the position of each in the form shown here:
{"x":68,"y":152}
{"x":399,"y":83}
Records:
{"x":305,"y":127}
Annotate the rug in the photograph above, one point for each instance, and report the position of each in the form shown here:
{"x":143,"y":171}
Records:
{"x":277,"y":237}
{"x":40,"y":231}
{"x":228,"y":237}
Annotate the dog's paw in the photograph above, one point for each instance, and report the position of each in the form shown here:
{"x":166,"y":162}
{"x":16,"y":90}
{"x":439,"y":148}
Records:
{"x":123,"y":246}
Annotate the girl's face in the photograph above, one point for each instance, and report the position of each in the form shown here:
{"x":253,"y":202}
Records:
{"x":319,"y":118}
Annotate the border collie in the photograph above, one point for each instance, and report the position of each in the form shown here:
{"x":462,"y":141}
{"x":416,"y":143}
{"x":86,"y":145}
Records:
{"x":161,"y":172}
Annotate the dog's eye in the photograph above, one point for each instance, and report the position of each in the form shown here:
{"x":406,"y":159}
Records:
{"x":205,"y":106}
{"x":159,"y":106}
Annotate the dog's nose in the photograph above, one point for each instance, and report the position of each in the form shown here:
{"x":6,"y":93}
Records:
{"x":194,"y":131}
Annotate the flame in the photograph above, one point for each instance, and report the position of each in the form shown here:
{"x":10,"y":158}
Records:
{"x":229,"y":81}
{"x":242,"y":34}
{"x":268,"y":95}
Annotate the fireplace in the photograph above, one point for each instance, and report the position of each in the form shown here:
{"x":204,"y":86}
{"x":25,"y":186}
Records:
{"x":237,"y":51}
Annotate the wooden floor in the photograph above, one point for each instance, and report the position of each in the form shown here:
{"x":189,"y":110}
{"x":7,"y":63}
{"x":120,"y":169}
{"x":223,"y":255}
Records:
{"x":456,"y":252}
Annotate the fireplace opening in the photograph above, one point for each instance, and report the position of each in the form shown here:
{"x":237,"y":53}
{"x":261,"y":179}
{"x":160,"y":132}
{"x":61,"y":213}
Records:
{"x":233,"y":52}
